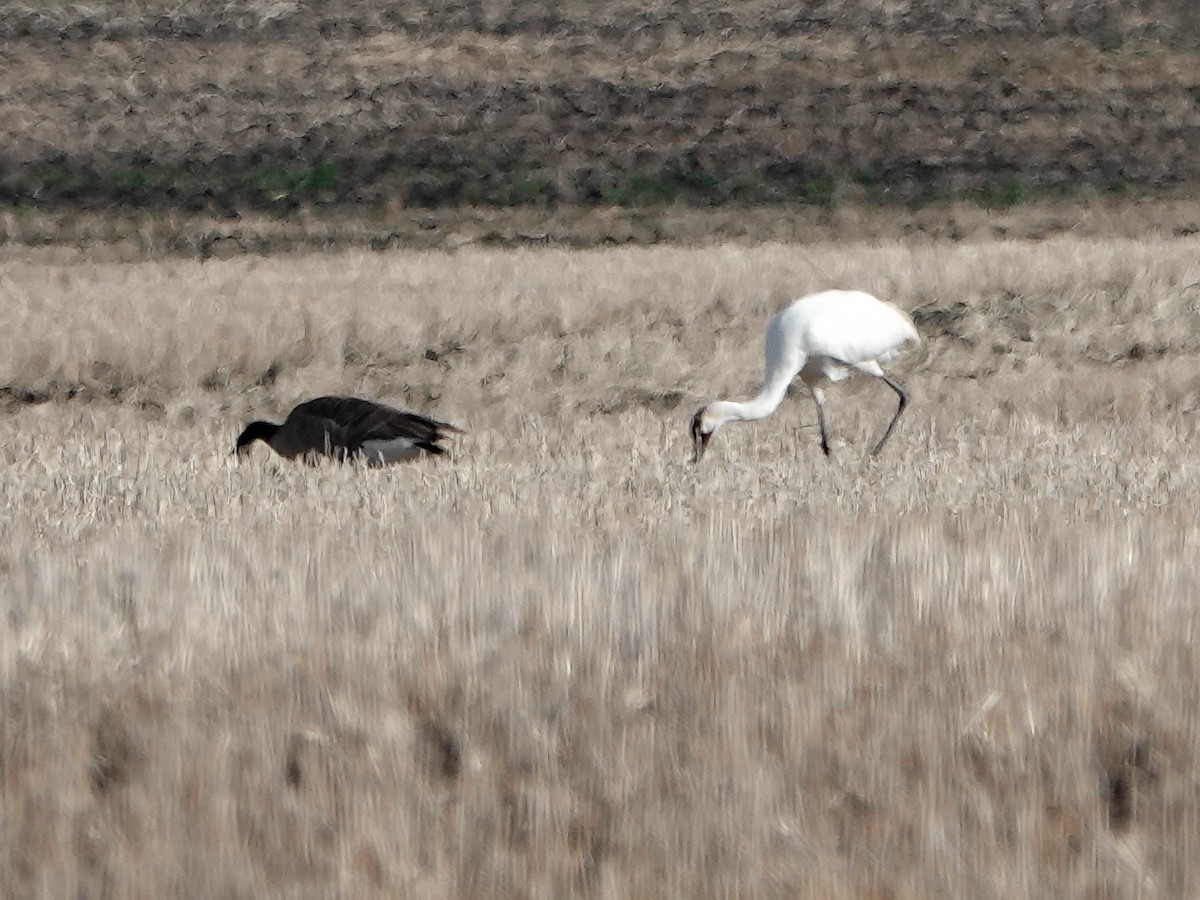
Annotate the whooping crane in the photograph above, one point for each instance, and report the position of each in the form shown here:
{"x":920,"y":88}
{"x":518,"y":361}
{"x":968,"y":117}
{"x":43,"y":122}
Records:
{"x":827,"y":335}
{"x":346,"y":427}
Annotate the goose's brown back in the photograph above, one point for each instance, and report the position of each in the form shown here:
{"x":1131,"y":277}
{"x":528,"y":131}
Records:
{"x":340,"y":426}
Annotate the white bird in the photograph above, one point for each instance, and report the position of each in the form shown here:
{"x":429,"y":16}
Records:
{"x":824,"y":336}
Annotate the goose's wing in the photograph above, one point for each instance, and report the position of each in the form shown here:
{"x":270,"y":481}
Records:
{"x":309,"y":430}
{"x":361,"y":421}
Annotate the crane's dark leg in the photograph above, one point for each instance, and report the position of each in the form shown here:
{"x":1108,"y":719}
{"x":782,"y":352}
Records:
{"x":890,"y":382}
{"x":819,"y":398}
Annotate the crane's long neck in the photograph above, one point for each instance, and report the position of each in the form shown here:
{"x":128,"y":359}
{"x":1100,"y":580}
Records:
{"x":766,"y":401}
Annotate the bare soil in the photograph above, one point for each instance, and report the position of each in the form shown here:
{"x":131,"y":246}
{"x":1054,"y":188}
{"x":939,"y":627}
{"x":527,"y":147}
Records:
{"x":383,"y":107}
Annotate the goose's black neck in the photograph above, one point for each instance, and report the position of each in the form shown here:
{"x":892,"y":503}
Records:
{"x":255,"y":431}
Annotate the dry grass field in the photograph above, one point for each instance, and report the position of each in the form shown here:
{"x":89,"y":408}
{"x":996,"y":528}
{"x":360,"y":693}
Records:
{"x":566,"y":662}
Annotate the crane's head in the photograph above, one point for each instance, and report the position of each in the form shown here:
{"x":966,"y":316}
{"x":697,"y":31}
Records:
{"x":704,"y":426}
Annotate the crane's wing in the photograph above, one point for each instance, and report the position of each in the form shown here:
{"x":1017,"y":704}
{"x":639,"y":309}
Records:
{"x":854,"y":328}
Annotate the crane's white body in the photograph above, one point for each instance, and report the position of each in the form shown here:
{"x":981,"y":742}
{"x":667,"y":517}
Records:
{"x":823,"y":336}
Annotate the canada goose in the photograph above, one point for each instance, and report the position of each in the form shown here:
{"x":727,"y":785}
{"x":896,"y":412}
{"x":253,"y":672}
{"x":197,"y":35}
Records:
{"x":345,"y":427}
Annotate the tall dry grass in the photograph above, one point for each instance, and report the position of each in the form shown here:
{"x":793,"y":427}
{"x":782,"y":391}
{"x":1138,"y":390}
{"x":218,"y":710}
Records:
{"x":566,"y":662}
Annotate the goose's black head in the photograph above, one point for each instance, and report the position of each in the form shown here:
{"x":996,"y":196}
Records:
{"x":255,"y":431}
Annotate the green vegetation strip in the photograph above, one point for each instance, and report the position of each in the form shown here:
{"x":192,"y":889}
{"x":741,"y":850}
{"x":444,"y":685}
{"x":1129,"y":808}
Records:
{"x":281,"y":186}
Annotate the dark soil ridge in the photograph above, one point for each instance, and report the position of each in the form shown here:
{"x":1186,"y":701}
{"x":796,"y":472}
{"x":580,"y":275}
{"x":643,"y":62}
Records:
{"x":603,"y":142}
{"x":1103,"y":22}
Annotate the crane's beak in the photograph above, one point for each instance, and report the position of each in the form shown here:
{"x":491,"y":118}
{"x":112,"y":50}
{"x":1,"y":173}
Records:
{"x":700,"y":444}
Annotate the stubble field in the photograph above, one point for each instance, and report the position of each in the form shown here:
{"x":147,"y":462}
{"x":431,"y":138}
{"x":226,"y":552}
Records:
{"x":566,"y":661}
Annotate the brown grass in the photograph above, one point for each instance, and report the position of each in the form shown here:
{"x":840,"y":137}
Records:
{"x":566,"y":662}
